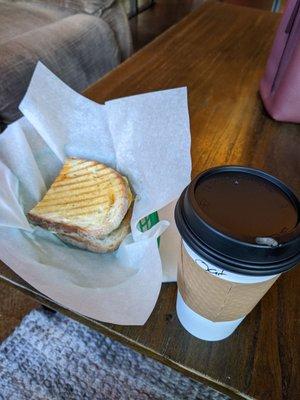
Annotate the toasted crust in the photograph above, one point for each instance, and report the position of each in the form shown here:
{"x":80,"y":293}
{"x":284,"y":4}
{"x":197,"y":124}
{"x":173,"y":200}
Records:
{"x":87,"y":198}
{"x":110,"y":243}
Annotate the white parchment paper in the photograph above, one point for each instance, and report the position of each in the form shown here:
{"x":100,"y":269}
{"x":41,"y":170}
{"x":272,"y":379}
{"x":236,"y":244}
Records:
{"x":147,"y":138}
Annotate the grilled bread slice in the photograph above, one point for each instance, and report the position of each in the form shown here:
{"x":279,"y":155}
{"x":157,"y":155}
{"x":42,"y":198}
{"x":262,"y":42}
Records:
{"x":86,"y":198}
{"x":107,"y":244}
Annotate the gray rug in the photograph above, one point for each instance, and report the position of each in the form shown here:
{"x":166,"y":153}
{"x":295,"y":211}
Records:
{"x":50,"y":356}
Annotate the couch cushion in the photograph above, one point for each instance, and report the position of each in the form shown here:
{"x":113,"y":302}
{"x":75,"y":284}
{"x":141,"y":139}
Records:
{"x":20,"y":17}
{"x":87,"y":6}
{"x":79,"y":49}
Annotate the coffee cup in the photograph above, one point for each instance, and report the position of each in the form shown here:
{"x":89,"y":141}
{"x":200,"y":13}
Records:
{"x":240,"y":231}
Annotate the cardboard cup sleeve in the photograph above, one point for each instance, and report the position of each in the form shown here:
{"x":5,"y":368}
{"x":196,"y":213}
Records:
{"x":214,"y":298}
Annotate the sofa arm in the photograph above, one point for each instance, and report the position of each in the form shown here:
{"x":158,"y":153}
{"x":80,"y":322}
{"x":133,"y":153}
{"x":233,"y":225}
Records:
{"x":78,"y":6}
{"x":79,"y":49}
{"x":117,"y":19}
{"x":112,"y":11}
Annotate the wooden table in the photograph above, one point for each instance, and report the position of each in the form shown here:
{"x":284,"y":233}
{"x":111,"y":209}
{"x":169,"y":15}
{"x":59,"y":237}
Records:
{"x":219,"y":53}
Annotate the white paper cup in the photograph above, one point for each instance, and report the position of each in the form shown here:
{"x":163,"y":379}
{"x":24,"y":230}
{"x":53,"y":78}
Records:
{"x":202,"y":327}
{"x":240,"y":230}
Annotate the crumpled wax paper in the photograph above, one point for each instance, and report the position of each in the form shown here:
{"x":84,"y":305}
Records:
{"x":145,"y":137}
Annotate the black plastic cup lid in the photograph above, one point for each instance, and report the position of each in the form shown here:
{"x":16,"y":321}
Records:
{"x":242,"y":220}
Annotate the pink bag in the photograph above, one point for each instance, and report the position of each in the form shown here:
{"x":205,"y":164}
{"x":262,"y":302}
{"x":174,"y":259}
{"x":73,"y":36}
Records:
{"x":280,"y":86}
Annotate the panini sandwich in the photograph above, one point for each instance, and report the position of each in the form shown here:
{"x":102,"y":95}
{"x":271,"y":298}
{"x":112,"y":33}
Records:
{"x":88,"y":205}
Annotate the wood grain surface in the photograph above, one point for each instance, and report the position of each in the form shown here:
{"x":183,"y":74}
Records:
{"x":159,"y":17}
{"x":219,"y":53}
{"x":165,"y":13}
{"x":14,"y":305}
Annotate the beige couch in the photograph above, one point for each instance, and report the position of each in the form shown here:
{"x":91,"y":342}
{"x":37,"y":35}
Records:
{"x":79,"y":40}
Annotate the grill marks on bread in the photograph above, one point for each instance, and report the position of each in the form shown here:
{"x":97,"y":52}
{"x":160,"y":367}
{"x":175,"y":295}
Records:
{"x":87,"y":197}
